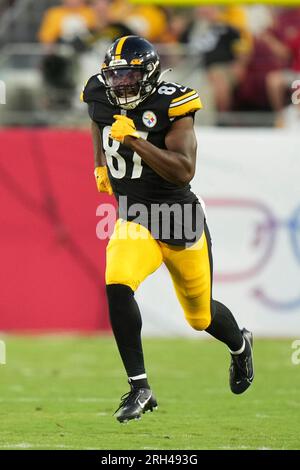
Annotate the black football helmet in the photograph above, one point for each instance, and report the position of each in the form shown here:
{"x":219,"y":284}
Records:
{"x":130,"y":71}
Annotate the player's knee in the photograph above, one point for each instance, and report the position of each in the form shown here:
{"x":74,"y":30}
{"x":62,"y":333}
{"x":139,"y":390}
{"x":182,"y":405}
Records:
{"x":117,"y":277}
{"x":200,"y":322}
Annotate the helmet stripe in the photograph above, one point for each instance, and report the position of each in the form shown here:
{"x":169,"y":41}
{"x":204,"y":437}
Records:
{"x":120,"y":45}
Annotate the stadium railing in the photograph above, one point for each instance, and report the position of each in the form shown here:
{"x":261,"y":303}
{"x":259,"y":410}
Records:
{"x":36,"y":97}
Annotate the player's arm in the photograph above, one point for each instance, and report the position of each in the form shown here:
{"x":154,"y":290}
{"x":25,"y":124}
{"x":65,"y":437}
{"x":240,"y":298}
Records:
{"x":102,"y":179}
{"x":176,"y":163}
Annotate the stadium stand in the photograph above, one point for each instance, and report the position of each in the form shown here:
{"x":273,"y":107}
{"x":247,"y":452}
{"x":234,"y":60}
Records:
{"x":230,"y":58}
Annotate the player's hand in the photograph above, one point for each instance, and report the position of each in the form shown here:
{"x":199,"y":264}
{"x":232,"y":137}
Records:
{"x":102,"y":180}
{"x":123,"y":127}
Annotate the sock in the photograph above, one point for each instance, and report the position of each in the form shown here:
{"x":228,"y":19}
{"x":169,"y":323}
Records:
{"x":139,"y":381}
{"x":244,"y":351}
{"x":126,"y":324}
{"x":224,"y":327}
{"x":239,"y":351}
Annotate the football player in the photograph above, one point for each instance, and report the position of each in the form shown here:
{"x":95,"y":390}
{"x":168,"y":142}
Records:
{"x":145,"y":154}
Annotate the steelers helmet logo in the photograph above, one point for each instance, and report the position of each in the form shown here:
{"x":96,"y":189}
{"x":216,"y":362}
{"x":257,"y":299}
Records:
{"x":149,"y":119}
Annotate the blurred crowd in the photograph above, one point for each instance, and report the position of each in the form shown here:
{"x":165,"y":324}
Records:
{"x":250,"y":56}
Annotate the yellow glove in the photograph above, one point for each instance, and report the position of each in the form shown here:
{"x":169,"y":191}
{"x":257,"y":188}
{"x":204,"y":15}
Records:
{"x":122,"y":127}
{"x":102,"y":180}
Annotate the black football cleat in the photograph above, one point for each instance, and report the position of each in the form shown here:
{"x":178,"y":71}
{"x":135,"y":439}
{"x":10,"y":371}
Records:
{"x":134,"y":404}
{"x":241,"y":372}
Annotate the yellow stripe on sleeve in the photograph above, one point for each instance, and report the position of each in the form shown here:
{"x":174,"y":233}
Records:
{"x":182,"y":97}
{"x":189,"y":107}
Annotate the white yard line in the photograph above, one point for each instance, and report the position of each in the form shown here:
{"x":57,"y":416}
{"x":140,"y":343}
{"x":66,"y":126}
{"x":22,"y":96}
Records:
{"x":58,"y":399}
{"x":27,"y":445}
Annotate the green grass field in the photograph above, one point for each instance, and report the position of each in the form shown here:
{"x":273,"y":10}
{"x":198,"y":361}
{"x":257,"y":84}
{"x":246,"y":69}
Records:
{"x":61,"y":392}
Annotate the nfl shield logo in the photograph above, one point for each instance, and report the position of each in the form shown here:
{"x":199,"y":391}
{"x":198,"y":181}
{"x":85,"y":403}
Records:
{"x":149,"y":119}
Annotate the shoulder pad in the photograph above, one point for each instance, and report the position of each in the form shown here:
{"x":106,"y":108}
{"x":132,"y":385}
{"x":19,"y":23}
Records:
{"x":185,"y":101}
{"x":94,"y":90}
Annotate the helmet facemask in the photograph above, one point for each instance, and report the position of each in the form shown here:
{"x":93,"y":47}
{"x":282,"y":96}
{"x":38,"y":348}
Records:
{"x":127,"y":86}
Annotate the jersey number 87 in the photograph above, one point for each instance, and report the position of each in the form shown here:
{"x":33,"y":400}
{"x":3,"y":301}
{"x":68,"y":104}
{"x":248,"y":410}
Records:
{"x":111,"y":148}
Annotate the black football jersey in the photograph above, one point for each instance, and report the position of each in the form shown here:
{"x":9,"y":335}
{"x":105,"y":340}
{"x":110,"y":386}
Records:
{"x":139,"y":190}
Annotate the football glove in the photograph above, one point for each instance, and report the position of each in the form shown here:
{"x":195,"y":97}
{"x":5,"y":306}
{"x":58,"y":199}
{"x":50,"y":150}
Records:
{"x":122,"y":127}
{"x":102,"y":180}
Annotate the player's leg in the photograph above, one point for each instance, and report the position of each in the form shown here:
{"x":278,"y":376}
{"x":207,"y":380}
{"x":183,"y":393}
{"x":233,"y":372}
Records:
{"x":132,"y":254}
{"x":225,"y":328}
{"x":191,"y":271}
